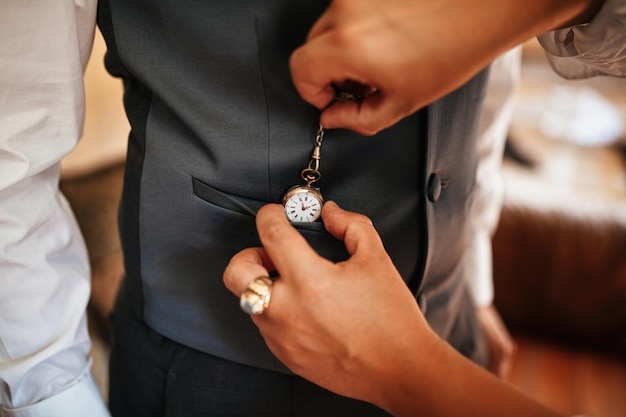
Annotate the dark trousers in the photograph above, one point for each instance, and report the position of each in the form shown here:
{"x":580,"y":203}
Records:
{"x":153,"y":376}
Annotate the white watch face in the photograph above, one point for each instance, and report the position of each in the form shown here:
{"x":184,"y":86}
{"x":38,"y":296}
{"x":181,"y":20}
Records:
{"x":303,"y":207}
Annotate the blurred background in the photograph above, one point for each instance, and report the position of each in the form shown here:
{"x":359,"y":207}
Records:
{"x":559,"y":250}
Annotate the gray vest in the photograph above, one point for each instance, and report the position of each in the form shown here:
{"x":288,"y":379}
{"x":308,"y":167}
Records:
{"x":218,"y":130}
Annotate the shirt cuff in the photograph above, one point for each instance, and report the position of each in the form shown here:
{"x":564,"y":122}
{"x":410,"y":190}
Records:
{"x":596,"y":48}
{"x":79,"y":400}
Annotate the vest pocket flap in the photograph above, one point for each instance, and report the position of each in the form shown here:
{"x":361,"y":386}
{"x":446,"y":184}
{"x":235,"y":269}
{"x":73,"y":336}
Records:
{"x":242,"y":205}
{"x":224,"y":200}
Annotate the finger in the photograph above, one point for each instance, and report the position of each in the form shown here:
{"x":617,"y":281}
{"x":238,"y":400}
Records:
{"x":367,"y":117}
{"x":505,"y":359}
{"x":244,"y":267}
{"x":320,"y":95}
{"x":356,"y":230}
{"x":316,"y":66}
{"x":313,"y":90}
{"x":504,"y":370}
{"x":288,"y":250}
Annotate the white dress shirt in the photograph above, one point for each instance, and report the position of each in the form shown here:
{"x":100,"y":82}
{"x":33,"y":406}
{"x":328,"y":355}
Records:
{"x":44,"y":269}
{"x":598,"y":48}
{"x":504,"y":77}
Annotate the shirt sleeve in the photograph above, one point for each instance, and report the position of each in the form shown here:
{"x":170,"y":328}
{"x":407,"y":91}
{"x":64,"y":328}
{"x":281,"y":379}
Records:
{"x":596,"y":48}
{"x":489,"y":192}
{"x":44,"y":270}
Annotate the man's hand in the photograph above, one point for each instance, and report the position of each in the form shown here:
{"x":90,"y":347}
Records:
{"x":374,"y":44}
{"x":405,"y":53}
{"x":332,"y":323}
{"x":354,"y":328}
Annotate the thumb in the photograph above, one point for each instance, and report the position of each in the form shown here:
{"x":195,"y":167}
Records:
{"x":356,"y":230}
{"x":285,"y":246}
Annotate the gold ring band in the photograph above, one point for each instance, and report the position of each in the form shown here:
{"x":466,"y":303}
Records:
{"x":256,"y":297}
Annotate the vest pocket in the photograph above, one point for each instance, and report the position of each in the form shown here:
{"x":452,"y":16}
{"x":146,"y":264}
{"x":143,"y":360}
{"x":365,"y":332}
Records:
{"x":245,"y":210}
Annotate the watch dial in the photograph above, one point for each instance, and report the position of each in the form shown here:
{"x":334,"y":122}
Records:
{"x":303,"y":207}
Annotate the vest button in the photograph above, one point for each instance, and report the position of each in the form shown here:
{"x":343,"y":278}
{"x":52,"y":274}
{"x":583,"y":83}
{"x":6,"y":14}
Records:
{"x":433,"y":189}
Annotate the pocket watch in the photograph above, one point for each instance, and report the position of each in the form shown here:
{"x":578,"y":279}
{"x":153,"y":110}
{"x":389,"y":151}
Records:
{"x":303,"y":203}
